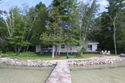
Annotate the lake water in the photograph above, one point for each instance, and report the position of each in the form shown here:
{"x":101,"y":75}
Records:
{"x":109,"y":73}
{"x":18,"y":74}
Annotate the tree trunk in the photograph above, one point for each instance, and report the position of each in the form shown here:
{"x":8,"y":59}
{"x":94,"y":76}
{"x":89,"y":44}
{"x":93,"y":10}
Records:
{"x":27,"y":48}
{"x":81,"y":50}
{"x":59,"y":53}
{"x":67,"y":51}
{"x":19,"y":49}
{"x":9,"y":32}
{"x":86,"y":31}
{"x":53,"y":51}
{"x":59,"y":50}
{"x":15,"y":49}
{"x":114,"y":37}
{"x":71,"y":49}
{"x":56,"y":51}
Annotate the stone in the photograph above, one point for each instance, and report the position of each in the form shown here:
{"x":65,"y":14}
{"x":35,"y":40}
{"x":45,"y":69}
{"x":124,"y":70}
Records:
{"x":82,"y":62}
{"x":122,"y":55}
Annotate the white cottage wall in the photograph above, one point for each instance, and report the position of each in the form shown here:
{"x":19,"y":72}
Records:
{"x":38,"y":48}
{"x":94,"y":47}
{"x":70,"y":49}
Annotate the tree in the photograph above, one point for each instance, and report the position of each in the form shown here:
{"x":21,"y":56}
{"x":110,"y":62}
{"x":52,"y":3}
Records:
{"x":121,"y":32}
{"x":72,"y":23}
{"x":35,"y":19}
{"x":3,"y":35}
{"x":55,"y":34}
{"x":23,"y":28}
{"x":40,"y":15}
{"x":87,"y":13}
{"x":40,"y":23}
{"x":16,"y":29}
{"x":102,"y":33}
{"x":115,"y":6}
{"x":103,"y":30}
{"x":3,"y":31}
{"x":63,"y":20}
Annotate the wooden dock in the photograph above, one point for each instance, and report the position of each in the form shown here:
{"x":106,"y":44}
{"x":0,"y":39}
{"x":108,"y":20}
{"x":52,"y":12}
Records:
{"x":61,"y":73}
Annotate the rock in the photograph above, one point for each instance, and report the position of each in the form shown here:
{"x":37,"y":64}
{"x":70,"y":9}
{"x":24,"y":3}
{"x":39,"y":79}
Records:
{"x":70,"y":62}
{"x":122,"y":55}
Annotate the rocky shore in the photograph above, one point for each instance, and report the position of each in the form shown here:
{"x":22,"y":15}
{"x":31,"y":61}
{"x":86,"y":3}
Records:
{"x":96,"y":61}
{"x":32,"y":63}
{"x":71,"y":62}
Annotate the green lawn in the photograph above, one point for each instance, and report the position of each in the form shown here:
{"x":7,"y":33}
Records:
{"x":34,"y":56}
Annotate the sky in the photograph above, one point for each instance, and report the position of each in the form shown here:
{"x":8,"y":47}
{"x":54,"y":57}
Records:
{"x":8,"y":4}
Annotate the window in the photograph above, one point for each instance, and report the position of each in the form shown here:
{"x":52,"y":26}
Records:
{"x":63,"y":47}
{"x":89,"y":47}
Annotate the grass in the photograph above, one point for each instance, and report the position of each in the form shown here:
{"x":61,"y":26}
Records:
{"x":34,"y":56}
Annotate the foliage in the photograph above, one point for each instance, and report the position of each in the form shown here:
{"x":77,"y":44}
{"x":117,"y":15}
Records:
{"x":72,"y":23}
{"x":21,"y":30}
{"x":41,"y":14}
{"x":109,"y":27}
{"x":16,"y":37}
{"x":57,"y":25}
{"x":87,"y":12}
{"x":64,"y":22}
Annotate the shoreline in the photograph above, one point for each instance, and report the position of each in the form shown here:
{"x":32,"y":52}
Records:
{"x":96,"y":61}
{"x":71,"y":62}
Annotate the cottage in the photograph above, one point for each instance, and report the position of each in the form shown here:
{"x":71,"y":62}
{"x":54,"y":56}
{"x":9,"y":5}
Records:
{"x":92,"y":47}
